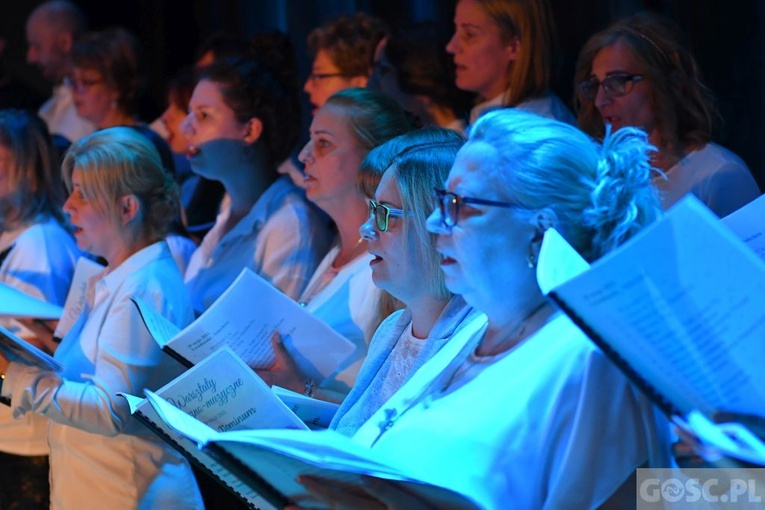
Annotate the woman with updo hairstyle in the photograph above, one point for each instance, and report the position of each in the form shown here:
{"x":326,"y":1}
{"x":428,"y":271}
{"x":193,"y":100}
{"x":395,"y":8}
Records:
{"x":37,"y":257}
{"x":121,"y":205}
{"x":532,"y":411}
{"x":341,"y":292}
{"x":242,"y":123}
{"x":503,"y":51}
{"x":639,"y":72}
{"x":406,"y":265}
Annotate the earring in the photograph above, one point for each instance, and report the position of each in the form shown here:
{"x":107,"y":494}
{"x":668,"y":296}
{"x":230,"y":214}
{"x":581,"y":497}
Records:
{"x":531,"y":260}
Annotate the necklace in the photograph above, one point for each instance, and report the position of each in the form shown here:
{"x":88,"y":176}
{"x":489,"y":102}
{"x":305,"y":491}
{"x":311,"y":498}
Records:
{"x":513,"y":339}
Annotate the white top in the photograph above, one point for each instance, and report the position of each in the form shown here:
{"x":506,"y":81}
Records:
{"x":182,"y":248}
{"x":549,"y":106}
{"x":716,"y":176}
{"x":282,"y":238}
{"x":402,"y":359}
{"x":550,"y":424}
{"x":41,"y":263}
{"x":349,"y":303}
{"x":100,"y":455}
{"x":60,"y":114}
{"x":373,"y":385}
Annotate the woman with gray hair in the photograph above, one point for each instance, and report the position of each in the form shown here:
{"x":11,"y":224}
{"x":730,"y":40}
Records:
{"x":523,"y":410}
{"x":121,"y":204}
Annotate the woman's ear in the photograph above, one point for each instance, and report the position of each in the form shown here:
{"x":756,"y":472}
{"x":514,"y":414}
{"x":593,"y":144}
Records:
{"x":252,"y":130}
{"x":544,"y":219}
{"x":130,"y":208}
{"x":541,"y":221}
{"x":359,"y":81}
{"x":513,"y":49}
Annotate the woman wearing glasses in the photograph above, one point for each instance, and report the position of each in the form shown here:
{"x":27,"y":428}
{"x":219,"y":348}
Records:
{"x":406,"y":265}
{"x":503,"y":51}
{"x":524,"y":411}
{"x":638,"y":73}
{"x":342,"y":53}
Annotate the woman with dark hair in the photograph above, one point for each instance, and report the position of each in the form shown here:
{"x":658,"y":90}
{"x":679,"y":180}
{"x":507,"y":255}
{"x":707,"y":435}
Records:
{"x":412,"y":67}
{"x":37,"y":256}
{"x":242,"y":122}
{"x":107,"y":78}
{"x":503,"y":51}
{"x":200,"y":197}
{"x":638,"y":72}
{"x":121,"y":205}
{"x":342,"y":53}
{"x":106,"y":85}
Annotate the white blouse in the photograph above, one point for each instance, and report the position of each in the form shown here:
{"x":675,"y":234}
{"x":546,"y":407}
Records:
{"x":100,"y":455}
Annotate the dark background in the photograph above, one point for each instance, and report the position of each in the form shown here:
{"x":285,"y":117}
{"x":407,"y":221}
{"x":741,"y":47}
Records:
{"x":725,"y":36}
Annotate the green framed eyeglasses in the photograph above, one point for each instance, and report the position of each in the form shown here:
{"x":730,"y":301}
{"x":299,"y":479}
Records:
{"x":382,"y":213}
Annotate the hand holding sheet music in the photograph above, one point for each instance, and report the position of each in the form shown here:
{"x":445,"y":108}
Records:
{"x":245,"y":318}
{"x":273,"y":460}
{"x":678,"y":308}
{"x":17,"y":350}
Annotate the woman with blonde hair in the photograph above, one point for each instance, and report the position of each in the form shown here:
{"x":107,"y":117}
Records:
{"x":503,"y":51}
{"x":406,"y":265}
{"x":121,"y":204}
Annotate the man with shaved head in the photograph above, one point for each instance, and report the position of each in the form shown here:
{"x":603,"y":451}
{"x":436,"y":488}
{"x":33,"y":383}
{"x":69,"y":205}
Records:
{"x":52,"y":29}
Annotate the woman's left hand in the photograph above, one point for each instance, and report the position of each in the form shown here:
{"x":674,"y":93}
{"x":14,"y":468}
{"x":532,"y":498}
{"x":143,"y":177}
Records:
{"x":284,"y":372}
{"x":374,"y":494}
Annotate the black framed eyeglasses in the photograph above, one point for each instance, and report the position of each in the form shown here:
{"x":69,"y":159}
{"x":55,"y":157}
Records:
{"x":316,"y":77}
{"x":614,"y":85}
{"x":449,"y":205}
{"x":382,"y":213}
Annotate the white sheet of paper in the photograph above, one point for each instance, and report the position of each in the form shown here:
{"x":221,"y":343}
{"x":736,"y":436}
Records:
{"x":313,"y":412}
{"x":247,"y":316}
{"x":75,"y":299}
{"x":683,"y":303}
{"x":748,"y":223}
{"x":159,"y":327}
{"x":17,"y":304}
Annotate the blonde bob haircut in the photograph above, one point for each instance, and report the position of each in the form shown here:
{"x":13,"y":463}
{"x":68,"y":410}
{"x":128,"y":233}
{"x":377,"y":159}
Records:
{"x":419,"y":161}
{"x":117,"y":162}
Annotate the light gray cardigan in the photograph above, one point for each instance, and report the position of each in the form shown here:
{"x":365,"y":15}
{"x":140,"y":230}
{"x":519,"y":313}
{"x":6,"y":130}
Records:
{"x":364,"y":399}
